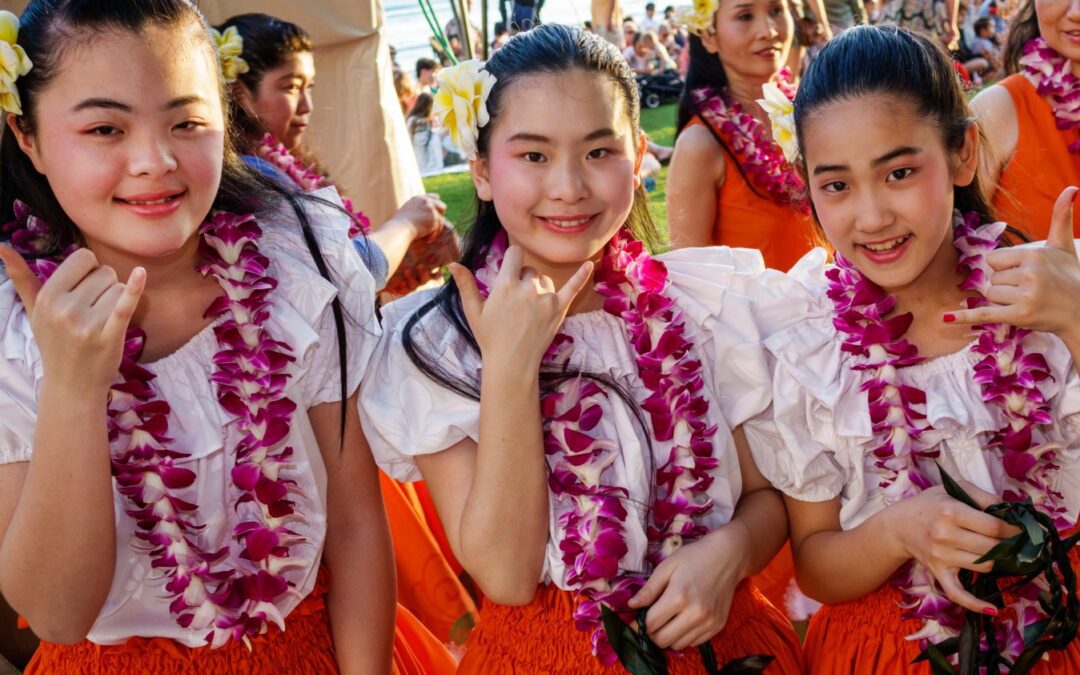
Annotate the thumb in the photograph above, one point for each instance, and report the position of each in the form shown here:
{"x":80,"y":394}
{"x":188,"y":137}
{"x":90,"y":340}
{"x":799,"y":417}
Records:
{"x":1061,"y":222}
{"x":653,"y":588}
{"x":471,"y":300}
{"x":26,"y":283}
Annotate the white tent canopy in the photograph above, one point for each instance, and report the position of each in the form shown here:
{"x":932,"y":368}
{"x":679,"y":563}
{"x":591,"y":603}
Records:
{"x":357,"y":129}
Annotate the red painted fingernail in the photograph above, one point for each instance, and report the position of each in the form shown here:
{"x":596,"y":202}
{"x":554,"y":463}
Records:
{"x":948,"y":318}
{"x":990,"y":611}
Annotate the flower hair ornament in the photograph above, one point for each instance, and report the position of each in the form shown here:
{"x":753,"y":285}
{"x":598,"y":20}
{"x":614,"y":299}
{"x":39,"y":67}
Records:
{"x":230,"y":45}
{"x":461,"y":102}
{"x":781,"y":111}
{"x":13,"y":63}
{"x":697,"y":17}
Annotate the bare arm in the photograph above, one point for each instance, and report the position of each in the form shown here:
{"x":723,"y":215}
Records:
{"x":760,"y":512}
{"x":419,"y":217}
{"x":358,"y":549}
{"x":994,"y":109}
{"x":694,"y":180}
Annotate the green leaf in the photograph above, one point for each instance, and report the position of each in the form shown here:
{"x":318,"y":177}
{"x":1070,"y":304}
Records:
{"x":1028,"y":660}
{"x":953,"y":489}
{"x":936,"y":655}
{"x":747,"y":665}
{"x":636,"y":652}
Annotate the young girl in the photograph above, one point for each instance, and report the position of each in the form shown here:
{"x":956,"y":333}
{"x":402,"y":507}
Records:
{"x":271,"y":68}
{"x":879,"y":378}
{"x":729,"y":183}
{"x":1030,"y":116}
{"x":180,"y":460}
{"x":602,"y":453}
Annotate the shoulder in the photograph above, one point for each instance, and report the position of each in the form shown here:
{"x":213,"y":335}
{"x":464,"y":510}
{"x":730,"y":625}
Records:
{"x":995,"y":109}
{"x":698,"y":153}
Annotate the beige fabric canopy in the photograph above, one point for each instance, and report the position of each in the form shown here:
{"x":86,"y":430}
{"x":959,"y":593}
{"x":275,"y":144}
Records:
{"x":357,"y":130}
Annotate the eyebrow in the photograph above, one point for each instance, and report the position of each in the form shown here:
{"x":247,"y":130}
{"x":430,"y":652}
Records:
{"x":887,"y":157}
{"x":606,"y":132}
{"x":112,"y":104}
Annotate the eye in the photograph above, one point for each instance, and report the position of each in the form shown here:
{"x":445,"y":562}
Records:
{"x":188,"y":125}
{"x":776,"y":10}
{"x":900,"y":174}
{"x":745,"y":16}
{"x":599,"y":153}
{"x":533,"y":157}
{"x":834,"y":186}
{"x":103,"y":130}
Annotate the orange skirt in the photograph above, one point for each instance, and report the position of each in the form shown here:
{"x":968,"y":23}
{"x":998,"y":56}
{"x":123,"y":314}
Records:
{"x":540,"y":638}
{"x":867,"y":636}
{"x":306,"y":648}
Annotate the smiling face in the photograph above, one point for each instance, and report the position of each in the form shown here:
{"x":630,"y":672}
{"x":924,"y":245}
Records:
{"x":751,"y":37}
{"x":882,"y":182}
{"x":1059,"y":25}
{"x":562,"y":165}
{"x":130,"y":135}
{"x":282,"y":102}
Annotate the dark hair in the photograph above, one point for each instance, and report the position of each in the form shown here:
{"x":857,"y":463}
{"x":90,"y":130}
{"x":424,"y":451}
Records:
{"x":890,"y":61}
{"x":650,"y":5}
{"x":423,"y":64}
{"x":421,"y":110}
{"x":268,"y":42}
{"x":48,"y":29}
{"x":1023,"y":28}
{"x":981,"y":23}
{"x":705,"y":70}
{"x":548,"y":48}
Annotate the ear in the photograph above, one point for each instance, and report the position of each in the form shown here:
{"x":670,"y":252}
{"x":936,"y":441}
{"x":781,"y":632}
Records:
{"x":481,"y":178}
{"x":710,"y":39}
{"x":26,"y":140}
{"x":642,"y":147}
{"x":242,"y":94}
{"x":967,"y":158}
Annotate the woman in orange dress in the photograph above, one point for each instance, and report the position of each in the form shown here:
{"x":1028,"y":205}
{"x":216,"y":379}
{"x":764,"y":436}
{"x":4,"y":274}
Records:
{"x":1030,"y":117}
{"x":729,"y":183}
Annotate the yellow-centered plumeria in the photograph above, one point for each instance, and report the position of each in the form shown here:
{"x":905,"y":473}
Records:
{"x":461,"y":102}
{"x":230,"y":45}
{"x":698,"y":17}
{"x":781,"y":113}
{"x":13,"y":63}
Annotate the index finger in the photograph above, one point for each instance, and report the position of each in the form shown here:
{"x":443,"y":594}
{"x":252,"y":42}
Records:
{"x":985,"y":524}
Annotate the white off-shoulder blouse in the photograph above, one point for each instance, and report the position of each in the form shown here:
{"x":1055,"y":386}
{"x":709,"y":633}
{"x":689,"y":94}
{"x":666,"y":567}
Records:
{"x":824,"y":419}
{"x":301,"y":316}
{"x":406,"y":414}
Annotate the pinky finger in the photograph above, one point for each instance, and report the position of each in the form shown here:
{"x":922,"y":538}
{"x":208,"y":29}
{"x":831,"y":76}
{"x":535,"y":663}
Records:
{"x":950,"y":583}
{"x":125,"y":306}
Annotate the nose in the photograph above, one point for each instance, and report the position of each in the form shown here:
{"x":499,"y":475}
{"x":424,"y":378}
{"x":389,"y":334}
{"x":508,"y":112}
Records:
{"x":1073,"y":13}
{"x":152,"y":156}
{"x":303,"y":106}
{"x":566,"y":182}
{"x":873,"y":215}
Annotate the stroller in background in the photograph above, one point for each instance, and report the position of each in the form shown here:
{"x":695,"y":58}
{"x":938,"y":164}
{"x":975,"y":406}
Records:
{"x":659,"y":88}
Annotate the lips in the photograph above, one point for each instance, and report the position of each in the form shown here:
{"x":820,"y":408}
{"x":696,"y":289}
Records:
{"x":569,"y":224}
{"x":886,"y":245}
{"x":151,"y":199}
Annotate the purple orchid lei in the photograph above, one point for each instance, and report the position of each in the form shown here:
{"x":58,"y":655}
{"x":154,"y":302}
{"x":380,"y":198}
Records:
{"x":308,"y":178}
{"x":1008,"y":375}
{"x":233,"y":597}
{"x":761,"y":159}
{"x":633,"y":285}
{"x":1054,"y":80}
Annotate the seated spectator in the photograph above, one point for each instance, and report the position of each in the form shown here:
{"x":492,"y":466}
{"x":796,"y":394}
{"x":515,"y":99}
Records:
{"x":666,"y":37}
{"x":647,"y":56}
{"x":985,"y":46}
{"x":629,"y":28}
{"x":426,"y":70}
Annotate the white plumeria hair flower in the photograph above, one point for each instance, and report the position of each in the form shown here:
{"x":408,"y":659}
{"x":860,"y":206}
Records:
{"x":781,"y":113}
{"x":14,"y":63}
{"x":698,"y":17}
{"x":461,"y":102}
{"x":230,"y":45}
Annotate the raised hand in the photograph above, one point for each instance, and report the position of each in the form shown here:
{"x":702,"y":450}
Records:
{"x":1035,"y":287}
{"x":946,"y":535}
{"x":79,"y":316}
{"x":425,"y":212}
{"x":522,"y":313}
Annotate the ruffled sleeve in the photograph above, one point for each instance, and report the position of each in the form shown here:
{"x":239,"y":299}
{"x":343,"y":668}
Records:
{"x":404,"y":411}
{"x":309,"y":294}
{"x":20,"y":371}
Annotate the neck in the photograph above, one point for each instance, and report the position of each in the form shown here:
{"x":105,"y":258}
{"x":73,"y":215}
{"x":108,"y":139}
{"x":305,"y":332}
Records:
{"x":746,"y":91}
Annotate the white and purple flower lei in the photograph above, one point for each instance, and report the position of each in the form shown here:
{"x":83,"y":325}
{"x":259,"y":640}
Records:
{"x":1008,"y":374}
{"x":230,"y":596}
{"x":1054,"y":80}
{"x":308,"y":178}
{"x":761,"y":159}
{"x":633,"y":285}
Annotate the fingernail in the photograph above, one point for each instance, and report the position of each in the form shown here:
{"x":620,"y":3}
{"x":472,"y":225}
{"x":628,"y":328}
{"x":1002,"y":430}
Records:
{"x":949,"y":317}
{"x":990,"y":611}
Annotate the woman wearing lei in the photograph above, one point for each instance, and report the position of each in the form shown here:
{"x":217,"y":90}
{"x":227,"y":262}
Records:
{"x":1032,"y":117}
{"x":271,"y":68}
{"x":929,"y":347}
{"x":729,"y":182}
{"x":579,"y":409}
{"x":181,"y":464}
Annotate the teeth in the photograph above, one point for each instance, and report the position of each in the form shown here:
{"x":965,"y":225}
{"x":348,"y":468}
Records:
{"x":570,"y":223}
{"x":153,"y":203}
{"x":886,"y":246}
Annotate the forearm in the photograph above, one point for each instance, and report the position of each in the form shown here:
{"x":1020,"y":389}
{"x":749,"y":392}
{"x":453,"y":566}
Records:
{"x":834,"y":566}
{"x":362,"y":597}
{"x":394,"y":238}
{"x":760,"y":515}
{"x":503,"y":548}
{"x":59,"y":550}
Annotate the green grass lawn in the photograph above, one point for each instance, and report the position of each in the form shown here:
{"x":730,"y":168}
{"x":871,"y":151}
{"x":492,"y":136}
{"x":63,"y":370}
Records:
{"x":456,"y":189}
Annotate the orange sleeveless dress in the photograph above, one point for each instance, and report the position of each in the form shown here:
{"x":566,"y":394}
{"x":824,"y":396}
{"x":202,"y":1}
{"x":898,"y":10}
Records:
{"x":1040,"y":168}
{"x":746,"y":219}
{"x":306,"y":647}
{"x":540,"y":639}
{"x":867,"y":636}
